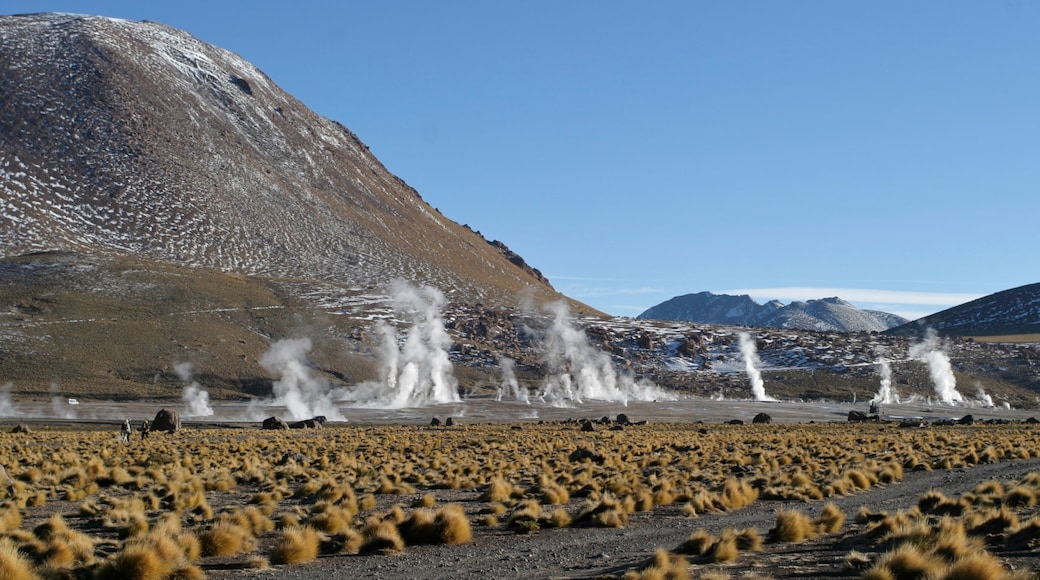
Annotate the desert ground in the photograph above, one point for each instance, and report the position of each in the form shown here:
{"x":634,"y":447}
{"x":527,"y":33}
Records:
{"x":515,"y":490}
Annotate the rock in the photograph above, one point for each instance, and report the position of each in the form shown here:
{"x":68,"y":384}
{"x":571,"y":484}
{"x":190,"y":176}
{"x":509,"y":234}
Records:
{"x":306,"y":424}
{"x":435,"y":422}
{"x":912,"y":424}
{"x":587,"y":426}
{"x":297,"y":457}
{"x":762,"y":418}
{"x":966,"y":420}
{"x":166,"y":420}
{"x":860,"y":417}
{"x":734,"y":422}
{"x":449,"y":422}
{"x":622,"y":419}
{"x":581,"y":454}
{"x":21,"y":428}
{"x":274,"y":423}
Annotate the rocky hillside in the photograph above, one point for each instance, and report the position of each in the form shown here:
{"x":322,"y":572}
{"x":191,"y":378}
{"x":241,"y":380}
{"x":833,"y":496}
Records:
{"x":135,"y":139}
{"x":827,"y":314}
{"x":1014,"y":311}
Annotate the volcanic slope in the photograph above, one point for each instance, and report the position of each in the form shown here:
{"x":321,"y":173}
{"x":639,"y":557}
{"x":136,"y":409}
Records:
{"x":1010,"y":312}
{"x":136,"y":139}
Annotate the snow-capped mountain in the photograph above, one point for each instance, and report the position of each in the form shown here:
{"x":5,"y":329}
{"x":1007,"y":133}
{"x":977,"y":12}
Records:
{"x":827,"y":314}
{"x":134,"y":138}
{"x":1014,"y":311}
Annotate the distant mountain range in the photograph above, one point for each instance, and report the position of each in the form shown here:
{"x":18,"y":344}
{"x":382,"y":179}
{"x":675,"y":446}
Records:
{"x":1014,"y":311}
{"x":827,"y":314}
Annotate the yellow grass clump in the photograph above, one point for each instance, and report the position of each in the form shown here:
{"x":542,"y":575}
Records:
{"x":296,"y":545}
{"x":14,"y":566}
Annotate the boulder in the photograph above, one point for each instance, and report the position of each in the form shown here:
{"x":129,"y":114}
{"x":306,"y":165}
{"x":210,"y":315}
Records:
{"x":449,"y":422}
{"x":587,"y":426}
{"x":966,"y":420}
{"x":622,"y":419}
{"x":21,"y":428}
{"x":762,"y":418}
{"x":306,"y":424}
{"x":167,"y":420}
{"x":734,"y":422}
{"x":274,"y":424}
{"x":860,"y":417}
{"x":581,"y":454}
{"x":435,"y":422}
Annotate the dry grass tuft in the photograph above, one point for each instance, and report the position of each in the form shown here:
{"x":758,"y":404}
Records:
{"x":978,"y":566}
{"x":792,"y":526}
{"x":830,"y":520}
{"x":663,"y":565}
{"x":906,"y":562}
{"x":697,"y":544}
{"x":225,"y":538}
{"x":453,"y":525}
{"x":138,"y":561}
{"x":296,"y":545}
{"x":380,"y":537}
{"x":14,"y":566}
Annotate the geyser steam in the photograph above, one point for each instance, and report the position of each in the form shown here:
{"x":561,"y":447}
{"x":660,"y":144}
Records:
{"x":938,"y":367}
{"x":196,"y":399}
{"x":303,"y":395}
{"x":420,"y":372}
{"x":751,"y":363}
{"x":578,"y":371}
{"x":886,"y":395}
{"x":509,"y":384}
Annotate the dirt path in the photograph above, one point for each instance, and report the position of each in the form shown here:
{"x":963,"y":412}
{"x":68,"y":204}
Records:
{"x":589,"y":552}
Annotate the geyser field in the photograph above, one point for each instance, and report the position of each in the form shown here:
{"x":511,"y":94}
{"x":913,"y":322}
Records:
{"x":590,"y":473}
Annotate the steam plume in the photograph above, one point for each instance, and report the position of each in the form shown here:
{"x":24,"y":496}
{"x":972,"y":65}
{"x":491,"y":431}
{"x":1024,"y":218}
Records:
{"x":509,"y":384}
{"x":751,"y":363}
{"x":59,"y":405}
{"x":985,"y":399}
{"x":939,"y":368}
{"x":420,"y":372}
{"x":578,"y":371}
{"x":7,"y":407}
{"x":303,"y":395}
{"x":886,"y":395}
{"x":196,"y":399}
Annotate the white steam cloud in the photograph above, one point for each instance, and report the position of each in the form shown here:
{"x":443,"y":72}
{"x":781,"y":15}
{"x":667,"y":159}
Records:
{"x":577,"y":371}
{"x":939,"y":368}
{"x":59,"y":405}
{"x":749,"y":352}
{"x":419,"y":372}
{"x":304,"y":396}
{"x":7,"y":407}
{"x":510,"y":386}
{"x":196,"y":399}
{"x":886,"y":395}
{"x":984,"y":399}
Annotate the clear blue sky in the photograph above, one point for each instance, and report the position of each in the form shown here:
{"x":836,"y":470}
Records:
{"x":887,"y":152}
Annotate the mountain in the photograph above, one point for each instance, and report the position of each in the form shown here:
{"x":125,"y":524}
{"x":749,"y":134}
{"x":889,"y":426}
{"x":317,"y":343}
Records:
{"x":708,"y":308}
{"x":126,"y":138}
{"x":1014,"y":311}
{"x":827,"y":314}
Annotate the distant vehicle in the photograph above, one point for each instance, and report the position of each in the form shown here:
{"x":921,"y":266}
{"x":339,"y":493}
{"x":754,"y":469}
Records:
{"x":73,"y":402}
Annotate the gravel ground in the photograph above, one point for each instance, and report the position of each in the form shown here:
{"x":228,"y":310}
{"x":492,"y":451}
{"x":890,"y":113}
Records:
{"x":580,"y":552}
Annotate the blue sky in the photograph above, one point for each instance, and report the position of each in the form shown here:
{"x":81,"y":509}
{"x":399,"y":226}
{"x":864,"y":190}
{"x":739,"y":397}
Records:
{"x":884,"y":152}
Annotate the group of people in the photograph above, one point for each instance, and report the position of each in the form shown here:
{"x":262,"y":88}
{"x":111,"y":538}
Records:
{"x":128,"y":429}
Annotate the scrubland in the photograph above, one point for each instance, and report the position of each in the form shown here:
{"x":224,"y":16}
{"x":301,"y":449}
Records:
{"x":222,"y":502}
